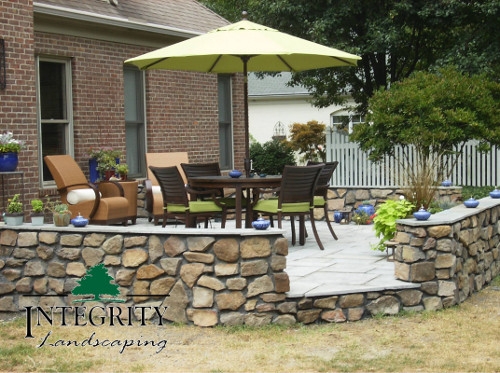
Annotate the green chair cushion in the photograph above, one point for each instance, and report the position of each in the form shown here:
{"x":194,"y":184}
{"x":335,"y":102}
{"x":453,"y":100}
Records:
{"x":195,"y":207}
{"x":319,"y":201}
{"x":271,"y":206}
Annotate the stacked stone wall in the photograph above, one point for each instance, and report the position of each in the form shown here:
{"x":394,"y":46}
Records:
{"x":450,"y":259}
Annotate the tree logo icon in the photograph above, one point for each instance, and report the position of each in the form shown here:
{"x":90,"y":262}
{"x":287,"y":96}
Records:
{"x":97,"y":282}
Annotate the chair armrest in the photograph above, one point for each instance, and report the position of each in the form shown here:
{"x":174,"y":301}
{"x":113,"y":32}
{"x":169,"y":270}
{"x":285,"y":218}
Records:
{"x":213,"y":194}
{"x":148,"y":185}
{"x":111,"y":189}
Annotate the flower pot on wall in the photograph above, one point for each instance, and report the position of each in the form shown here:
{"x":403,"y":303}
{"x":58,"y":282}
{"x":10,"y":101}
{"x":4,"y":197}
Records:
{"x":8,"y":161}
{"x":37,"y":219}
{"x":61,"y":219}
{"x":13,"y":219}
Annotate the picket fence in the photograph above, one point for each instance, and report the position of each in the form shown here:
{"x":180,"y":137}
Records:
{"x":355,"y":170}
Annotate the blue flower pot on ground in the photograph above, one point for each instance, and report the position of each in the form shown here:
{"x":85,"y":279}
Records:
{"x":8,"y":161}
{"x":366,"y":208}
{"x":337,"y":217}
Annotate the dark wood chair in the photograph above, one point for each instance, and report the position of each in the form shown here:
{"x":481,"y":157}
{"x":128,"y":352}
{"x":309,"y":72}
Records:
{"x":177,"y":204}
{"x":207,"y":169}
{"x":295,"y":198}
{"x":321,"y":192}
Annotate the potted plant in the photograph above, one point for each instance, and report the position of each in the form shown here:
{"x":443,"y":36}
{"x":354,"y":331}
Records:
{"x":14,"y":214}
{"x":61,"y":214}
{"x":385,"y":218}
{"x":122,"y":170}
{"x":107,"y":159}
{"x":37,"y":215}
{"x":9,"y":149}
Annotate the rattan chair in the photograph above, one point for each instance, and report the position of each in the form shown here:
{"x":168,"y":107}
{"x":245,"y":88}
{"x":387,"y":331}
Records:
{"x":295,"y":198}
{"x":321,"y":192}
{"x":177,"y":204}
{"x":154,"y":199}
{"x":106,"y":206}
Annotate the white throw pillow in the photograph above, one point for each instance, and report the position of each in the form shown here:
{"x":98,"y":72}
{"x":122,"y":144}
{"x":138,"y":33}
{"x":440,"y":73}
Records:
{"x":80,"y":195}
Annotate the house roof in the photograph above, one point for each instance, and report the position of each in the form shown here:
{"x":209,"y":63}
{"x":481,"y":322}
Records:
{"x":180,"y":17}
{"x":273,"y":86}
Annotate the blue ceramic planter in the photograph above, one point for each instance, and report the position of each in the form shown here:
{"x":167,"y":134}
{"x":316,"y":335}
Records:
{"x":235,"y":173}
{"x":8,"y":161}
{"x":446,"y":183}
{"x":471,"y":203}
{"x":495,"y":193}
{"x":422,"y":214}
{"x":261,"y":224}
{"x":337,"y":217}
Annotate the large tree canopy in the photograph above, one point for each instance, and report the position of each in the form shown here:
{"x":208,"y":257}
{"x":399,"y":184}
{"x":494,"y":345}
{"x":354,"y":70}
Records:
{"x":394,"y":38}
{"x":433,"y":112}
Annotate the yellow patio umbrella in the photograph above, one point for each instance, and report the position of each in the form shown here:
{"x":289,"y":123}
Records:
{"x":242,"y":47}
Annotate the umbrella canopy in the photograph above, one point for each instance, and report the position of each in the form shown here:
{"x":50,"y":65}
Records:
{"x":242,"y":47}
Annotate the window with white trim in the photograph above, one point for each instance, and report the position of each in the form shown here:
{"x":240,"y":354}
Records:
{"x":55,"y":114}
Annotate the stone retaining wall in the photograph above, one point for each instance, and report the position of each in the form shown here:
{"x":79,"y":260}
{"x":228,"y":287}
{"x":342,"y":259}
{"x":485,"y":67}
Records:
{"x":453,"y":254}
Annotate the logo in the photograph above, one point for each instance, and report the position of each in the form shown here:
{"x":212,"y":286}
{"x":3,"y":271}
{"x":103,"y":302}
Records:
{"x":97,"y":282}
{"x":95,"y":286}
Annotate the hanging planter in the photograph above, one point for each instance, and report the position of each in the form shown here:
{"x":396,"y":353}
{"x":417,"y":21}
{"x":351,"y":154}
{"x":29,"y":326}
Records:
{"x":9,"y":149}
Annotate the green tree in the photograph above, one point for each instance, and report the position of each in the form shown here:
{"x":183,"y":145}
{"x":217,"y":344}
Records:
{"x":96,"y":282}
{"x":393,"y":37}
{"x":271,"y":157}
{"x":309,"y":140}
{"x":436,"y":114}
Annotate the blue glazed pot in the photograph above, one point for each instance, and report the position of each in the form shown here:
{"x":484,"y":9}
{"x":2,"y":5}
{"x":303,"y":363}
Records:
{"x":235,"y":173}
{"x":8,"y":161}
{"x":337,"y":217}
{"x":422,"y":214}
{"x":79,"y":221}
{"x":446,"y":183}
{"x":471,"y":203}
{"x":367,"y":209}
{"x":495,"y":193}
{"x":261,"y":224}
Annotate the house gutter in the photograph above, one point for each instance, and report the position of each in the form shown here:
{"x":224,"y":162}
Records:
{"x":84,"y":16}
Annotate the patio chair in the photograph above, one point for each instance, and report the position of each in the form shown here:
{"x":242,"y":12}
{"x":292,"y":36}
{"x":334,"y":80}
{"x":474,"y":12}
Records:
{"x":108,"y":206}
{"x":321,"y":192}
{"x":207,"y":169}
{"x":154,"y":199}
{"x":295,"y":198}
{"x":177,"y":204}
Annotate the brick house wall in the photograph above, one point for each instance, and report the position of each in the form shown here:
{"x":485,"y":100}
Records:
{"x":18,"y":99}
{"x":181,"y":107}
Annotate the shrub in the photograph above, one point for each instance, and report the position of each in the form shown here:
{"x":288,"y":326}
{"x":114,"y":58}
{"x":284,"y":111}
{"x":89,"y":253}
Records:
{"x":271,"y":157}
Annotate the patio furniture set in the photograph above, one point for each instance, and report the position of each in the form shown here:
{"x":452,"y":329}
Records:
{"x":179,"y":191}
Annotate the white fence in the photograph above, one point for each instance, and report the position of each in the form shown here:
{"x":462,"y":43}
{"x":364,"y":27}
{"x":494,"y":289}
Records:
{"x":355,"y":170}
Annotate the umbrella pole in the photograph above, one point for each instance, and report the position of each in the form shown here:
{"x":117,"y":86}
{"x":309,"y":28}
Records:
{"x":247,"y":161}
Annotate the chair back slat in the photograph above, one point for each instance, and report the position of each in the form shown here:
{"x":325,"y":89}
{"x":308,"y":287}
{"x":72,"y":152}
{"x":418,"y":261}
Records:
{"x":299,"y":183}
{"x":171,"y":184}
{"x":202,"y":169}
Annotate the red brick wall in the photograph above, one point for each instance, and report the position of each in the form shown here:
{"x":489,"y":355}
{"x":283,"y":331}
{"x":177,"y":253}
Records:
{"x":17,"y":100}
{"x":181,"y":107}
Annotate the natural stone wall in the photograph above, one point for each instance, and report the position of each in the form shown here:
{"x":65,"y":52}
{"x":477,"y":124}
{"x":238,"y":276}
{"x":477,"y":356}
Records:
{"x":202,"y":280}
{"x":339,"y":198}
{"x":453,"y":254}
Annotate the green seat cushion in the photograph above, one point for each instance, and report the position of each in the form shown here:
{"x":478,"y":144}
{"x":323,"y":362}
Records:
{"x":271,"y":206}
{"x":195,"y":207}
{"x":319,"y":201}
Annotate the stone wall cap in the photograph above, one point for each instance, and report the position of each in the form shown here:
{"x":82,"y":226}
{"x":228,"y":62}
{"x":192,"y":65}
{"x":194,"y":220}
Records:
{"x":452,"y":215}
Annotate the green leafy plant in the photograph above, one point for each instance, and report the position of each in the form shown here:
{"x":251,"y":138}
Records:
{"x":14,"y":206}
{"x":37,"y":205}
{"x":385,"y":218}
{"x":106,"y":158}
{"x":122,"y":169}
{"x":271,"y":157}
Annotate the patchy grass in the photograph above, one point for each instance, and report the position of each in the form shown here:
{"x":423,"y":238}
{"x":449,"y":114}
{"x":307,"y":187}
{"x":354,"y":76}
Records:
{"x":462,"y":338}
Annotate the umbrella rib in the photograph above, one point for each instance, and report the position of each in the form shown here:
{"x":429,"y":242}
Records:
{"x":215,"y":63}
{"x":154,"y":63}
{"x":286,"y":63}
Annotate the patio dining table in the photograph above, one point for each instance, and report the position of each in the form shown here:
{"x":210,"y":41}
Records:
{"x":240,"y":184}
